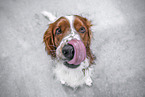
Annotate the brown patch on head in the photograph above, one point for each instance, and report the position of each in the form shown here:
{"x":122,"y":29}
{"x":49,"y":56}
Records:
{"x":83,"y":27}
{"x":54,"y":34}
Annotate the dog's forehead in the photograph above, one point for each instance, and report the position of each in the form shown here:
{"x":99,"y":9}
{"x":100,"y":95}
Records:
{"x":74,"y":19}
{"x":71,"y":20}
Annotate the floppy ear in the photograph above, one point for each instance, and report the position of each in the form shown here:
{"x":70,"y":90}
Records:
{"x":48,"y":38}
{"x":89,"y":52}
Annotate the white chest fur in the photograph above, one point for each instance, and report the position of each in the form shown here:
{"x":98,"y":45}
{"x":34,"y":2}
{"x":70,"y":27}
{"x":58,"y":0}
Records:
{"x":74,"y":77}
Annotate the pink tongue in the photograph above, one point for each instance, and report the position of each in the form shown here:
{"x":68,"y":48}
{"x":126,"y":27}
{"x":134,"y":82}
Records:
{"x":80,"y":52}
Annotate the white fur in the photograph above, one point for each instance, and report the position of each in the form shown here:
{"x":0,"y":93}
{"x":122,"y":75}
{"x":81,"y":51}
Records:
{"x":49,"y":15}
{"x":68,"y":76}
{"x":74,"y":77}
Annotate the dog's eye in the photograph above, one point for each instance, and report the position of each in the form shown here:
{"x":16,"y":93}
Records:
{"x":82,"y":30}
{"x":58,"y":31}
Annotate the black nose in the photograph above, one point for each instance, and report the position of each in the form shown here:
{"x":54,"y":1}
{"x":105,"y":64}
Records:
{"x":68,"y":51}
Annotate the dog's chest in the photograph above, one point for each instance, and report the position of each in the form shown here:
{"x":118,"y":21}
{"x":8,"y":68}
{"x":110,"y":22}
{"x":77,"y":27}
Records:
{"x":75,"y":76}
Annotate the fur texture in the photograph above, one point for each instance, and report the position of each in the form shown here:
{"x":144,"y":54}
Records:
{"x":54,"y":43}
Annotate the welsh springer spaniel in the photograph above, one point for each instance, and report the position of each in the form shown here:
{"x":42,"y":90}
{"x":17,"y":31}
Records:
{"x":68,"y":40}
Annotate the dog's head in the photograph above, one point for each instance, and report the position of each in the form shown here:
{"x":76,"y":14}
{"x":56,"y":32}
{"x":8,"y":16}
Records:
{"x":69,"y":38}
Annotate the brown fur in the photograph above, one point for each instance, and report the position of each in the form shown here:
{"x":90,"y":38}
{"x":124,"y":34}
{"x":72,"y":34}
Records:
{"x":87,"y":36}
{"x":52,"y":41}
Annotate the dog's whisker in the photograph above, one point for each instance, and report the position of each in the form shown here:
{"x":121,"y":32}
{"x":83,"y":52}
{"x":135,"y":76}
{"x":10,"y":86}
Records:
{"x":52,"y":50}
{"x":52,"y":45}
{"x":56,"y":44}
{"x":85,"y":41}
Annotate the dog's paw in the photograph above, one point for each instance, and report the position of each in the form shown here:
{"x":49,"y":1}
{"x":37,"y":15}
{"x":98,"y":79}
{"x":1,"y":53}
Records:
{"x":89,"y":82}
{"x":62,"y":82}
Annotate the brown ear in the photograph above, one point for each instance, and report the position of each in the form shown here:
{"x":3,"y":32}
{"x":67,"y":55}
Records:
{"x":48,"y":38}
{"x":89,"y":52}
{"x":90,"y":55}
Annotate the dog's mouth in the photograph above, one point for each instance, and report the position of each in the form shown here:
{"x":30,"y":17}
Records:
{"x":71,"y":65}
{"x":75,"y":52}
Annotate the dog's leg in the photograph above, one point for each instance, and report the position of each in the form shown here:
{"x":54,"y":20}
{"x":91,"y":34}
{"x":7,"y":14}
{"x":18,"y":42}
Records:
{"x":62,"y":82}
{"x":49,"y":15}
{"x":88,"y":80}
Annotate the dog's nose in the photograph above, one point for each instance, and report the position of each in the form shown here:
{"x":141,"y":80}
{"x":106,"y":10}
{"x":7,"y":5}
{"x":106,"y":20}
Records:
{"x":68,"y":51}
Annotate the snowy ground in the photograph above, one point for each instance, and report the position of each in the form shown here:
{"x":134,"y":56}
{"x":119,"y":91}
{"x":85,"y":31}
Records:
{"x":119,"y":44}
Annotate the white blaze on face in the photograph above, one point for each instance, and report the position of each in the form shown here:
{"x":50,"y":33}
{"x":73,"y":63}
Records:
{"x":73,"y":34}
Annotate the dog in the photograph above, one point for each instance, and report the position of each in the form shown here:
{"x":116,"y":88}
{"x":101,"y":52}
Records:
{"x":67,"y":40}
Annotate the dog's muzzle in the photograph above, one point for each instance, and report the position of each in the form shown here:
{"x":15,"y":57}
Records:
{"x":68,"y":51}
{"x":74,"y":51}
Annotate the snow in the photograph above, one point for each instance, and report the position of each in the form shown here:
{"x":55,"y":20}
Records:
{"x":118,"y":43}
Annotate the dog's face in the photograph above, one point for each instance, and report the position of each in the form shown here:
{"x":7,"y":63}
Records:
{"x":66,"y":35}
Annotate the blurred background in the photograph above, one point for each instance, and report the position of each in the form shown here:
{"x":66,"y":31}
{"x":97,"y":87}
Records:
{"x":118,"y":43}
